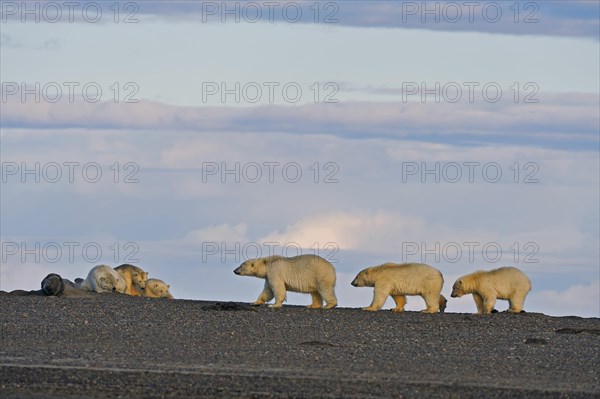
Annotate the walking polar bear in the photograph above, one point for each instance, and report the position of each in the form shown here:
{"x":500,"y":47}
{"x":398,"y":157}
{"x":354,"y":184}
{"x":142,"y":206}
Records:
{"x":399,"y":280}
{"x":305,"y":273}
{"x":507,"y":283}
{"x":103,"y":279}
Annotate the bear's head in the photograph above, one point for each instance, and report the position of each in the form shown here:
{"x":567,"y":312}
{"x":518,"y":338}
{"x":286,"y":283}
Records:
{"x":363,"y":279}
{"x":139,"y":278}
{"x":253,"y":267}
{"x":158,"y":288}
{"x":458,"y":289}
{"x":112,"y":283}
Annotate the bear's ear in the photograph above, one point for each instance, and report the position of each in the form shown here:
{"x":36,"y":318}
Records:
{"x":459,"y":282}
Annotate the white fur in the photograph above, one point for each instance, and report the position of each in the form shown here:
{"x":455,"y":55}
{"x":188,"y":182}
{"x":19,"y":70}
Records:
{"x":508,"y":283}
{"x":305,"y":273}
{"x":155,"y":288}
{"x":399,"y":280}
{"x":103,"y":279}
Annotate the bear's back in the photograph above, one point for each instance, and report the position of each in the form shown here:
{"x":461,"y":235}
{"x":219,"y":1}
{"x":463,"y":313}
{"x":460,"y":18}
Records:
{"x":307,"y":261}
{"x":510,"y":276}
{"x":304,"y":272}
{"x":406,"y":269}
{"x":407,"y":278}
{"x":129,"y":268}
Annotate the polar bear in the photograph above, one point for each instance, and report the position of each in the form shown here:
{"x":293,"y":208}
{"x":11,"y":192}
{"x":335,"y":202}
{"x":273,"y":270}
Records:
{"x":134,"y":277}
{"x":507,"y":283}
{"x":156,"y":288}
{"x":399,"y":280}
{"x":103,"y":279}
{"x":304,"y":273}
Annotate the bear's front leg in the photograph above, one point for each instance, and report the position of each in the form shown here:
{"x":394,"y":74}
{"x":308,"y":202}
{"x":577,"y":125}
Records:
{"x":265,"y":296}
{"x":515,"y":304}
{"x":380,"y":294}
{"x":488,"y":304}
{"x":278,"y":288}
{"x":478,"y":302}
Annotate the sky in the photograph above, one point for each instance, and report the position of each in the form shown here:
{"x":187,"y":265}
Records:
{"x":186,"y":137}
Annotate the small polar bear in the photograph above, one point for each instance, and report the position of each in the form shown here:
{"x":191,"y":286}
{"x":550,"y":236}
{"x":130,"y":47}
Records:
{"x":399,"y":280}
{"x":103,"y":279}
{"x":156,"y":288}
{"x":304,"y":273}
{"x":134,"y":277}
{"x":507,"y":283}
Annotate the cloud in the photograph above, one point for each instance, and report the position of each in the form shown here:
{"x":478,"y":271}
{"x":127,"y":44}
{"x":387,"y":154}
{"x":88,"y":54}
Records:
{"x":572,"y":18}
{"x":408,"y":238}
{"x":535,"y":18}
{"x":556,"y":120}
{"x":377,"y":231}
{"x":221,"y":234}
{"x":581,"y":300}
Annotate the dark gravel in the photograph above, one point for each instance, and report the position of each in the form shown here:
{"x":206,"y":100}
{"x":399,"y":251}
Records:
{"x":119,"y":346}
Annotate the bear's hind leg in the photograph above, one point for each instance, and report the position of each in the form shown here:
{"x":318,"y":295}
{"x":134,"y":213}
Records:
{"x":317,"y":301}
{"x":400,"y":302}
{"x":516,"y":303}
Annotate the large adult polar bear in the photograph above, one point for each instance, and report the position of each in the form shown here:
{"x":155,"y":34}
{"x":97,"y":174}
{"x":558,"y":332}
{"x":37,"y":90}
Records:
{"x":104,"y":279}
{"x":399,"y":280}
{"x":305,"y":273}
{"x":507,"y":283}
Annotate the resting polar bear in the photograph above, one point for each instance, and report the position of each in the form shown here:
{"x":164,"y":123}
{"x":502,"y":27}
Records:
{"x":134,"y":277}
{"x":103,"y":279}
{"x":486,"y":286}
{"x":399,"y":280}
{"x":155,"y":288}
{"x":305,"y":273}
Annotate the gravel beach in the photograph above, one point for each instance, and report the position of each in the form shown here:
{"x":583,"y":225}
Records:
{"x":120,"y":346}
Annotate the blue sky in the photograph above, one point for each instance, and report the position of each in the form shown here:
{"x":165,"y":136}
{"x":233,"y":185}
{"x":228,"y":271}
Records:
{"x":393,"y":80}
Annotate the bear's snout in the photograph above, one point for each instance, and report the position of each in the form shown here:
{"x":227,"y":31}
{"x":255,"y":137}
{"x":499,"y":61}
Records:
{"x":453,"y":295}
{"x":238,"y":271}
{"x":354,"y":283}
